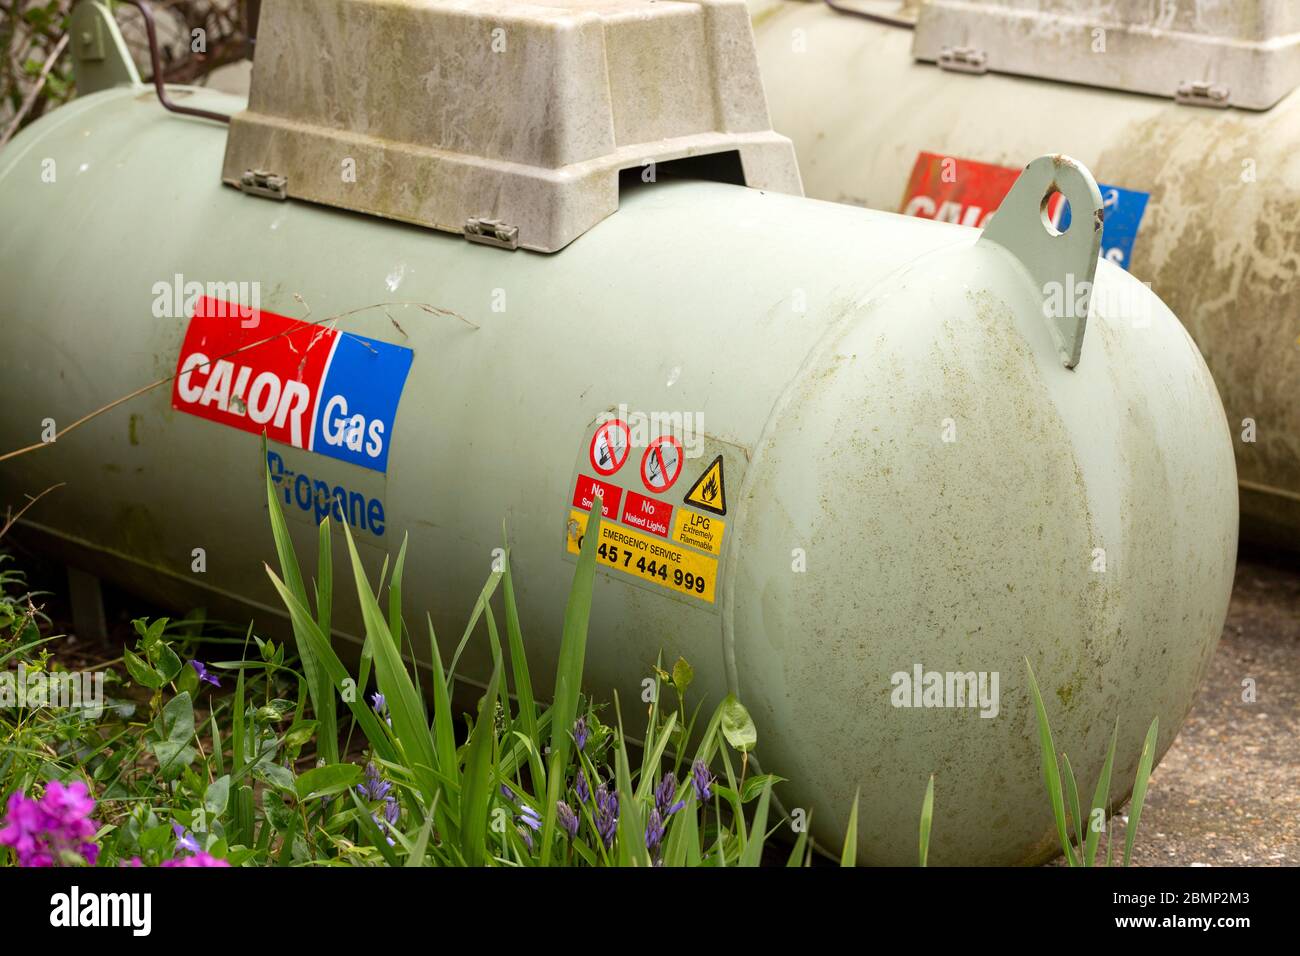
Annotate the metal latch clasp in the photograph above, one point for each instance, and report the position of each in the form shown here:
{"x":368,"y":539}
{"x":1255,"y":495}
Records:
{"x":1202,"y":93}
{"x":492,"y":232}
{"x":963,"y":59}
{"x":258,"y":182}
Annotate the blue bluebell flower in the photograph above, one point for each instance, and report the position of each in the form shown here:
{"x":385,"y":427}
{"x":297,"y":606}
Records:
{"x":580,"y":787}
{"x":374,"y":787}
{"x":567,"y":818}
{"x":702,"y":780}
{"x":654,"y":831}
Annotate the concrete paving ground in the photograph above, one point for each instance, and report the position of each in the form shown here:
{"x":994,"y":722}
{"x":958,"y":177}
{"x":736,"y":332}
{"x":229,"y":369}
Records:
{"x":1228,"y":791}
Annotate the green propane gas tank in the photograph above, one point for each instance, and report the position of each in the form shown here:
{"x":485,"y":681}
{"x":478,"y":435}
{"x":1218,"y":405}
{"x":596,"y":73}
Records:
{"x":1204,"y":203}
{"x":840,"y":451}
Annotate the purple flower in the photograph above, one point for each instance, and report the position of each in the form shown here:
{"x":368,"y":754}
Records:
{"x":580,"y":787}
{"x":392,"y":810}
{"x":204,"y":675}
{"x":507,"y":793}
{"x":654,"y":831}
{"x":702,"y":781}
{"x":568,"y":819}
{"x":374,"y":787}
{"x":529,"y":817}
{"x":664,"y":794}
{"x":581,"y":732}
{"x":606,"y":815}
{"x":48,"y":831}
{"x":185,"y":841}
{"x":379,"y":704}
{"x":202,"y":858}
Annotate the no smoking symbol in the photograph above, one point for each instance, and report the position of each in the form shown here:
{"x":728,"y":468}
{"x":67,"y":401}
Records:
{"x":609,"y":447}
{"x":662,"y":463}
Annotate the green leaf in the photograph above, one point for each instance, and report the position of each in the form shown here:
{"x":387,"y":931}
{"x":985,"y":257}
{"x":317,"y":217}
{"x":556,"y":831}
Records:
{"x":319,"y":687}
{"x":1100,"y":800}
{"x":799,"y":855}
{"x":165,"y":661}
{"x":1051,"y":770}
{"x":281,"y":817}
{"x":216,"y":797}
{"x":849,"y":855}
{"x":927,"y":814}
{"x":523,"y":683}
{"x":753,"y":787}
{"x":1140,"y":787}
{"x":140,"y":672}
{"x":330,"y":779}
{"x":737,"y":726}
{"x":476,"y":795}
{"x":568,"y":673}
{"x":683,"y":674}
{"x":416,"y":856}
{"x":631,"y":823}
{"x":1072,"y":798}
{"x":175,"y":725}
{"x":410,"y":723}
{"x":334,"y":670}
{"x":753,"y":854}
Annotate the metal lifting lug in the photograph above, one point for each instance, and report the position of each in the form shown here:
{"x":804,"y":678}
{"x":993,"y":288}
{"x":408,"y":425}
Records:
{"x":492,"y":232}
{"x":1202,"y":93}
{"x":963,"y":59}
{"x":258,"y":182}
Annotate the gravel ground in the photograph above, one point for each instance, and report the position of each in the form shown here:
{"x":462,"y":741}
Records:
{"x":1228,"y":791}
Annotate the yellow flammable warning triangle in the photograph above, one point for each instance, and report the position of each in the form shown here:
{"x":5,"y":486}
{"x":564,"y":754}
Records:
{"x":708,"y":492}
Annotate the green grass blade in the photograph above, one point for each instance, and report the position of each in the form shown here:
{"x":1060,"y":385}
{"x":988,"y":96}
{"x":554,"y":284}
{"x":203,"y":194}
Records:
{"x":318,"y":688}
{"x":649,"y":769}
{"x":395,"y":596}
{"x":849,"y":855}
{"x":1051,"y":770}
{"x":484,"y":597}
{"x":753,"y":855}
{"x":568,"y":673}
{"x":476,"y":794}
{"x":1072,"y":798}
{"x":799,"y":855}
{"x":444,"y":730}
{"x":334,"y":670}
{"x":523,"y":682}
{"x":927,"y":815}
{"x":421,"y":847}
{"x":1100,"y":801}
{"x":324,"y":577}
{"x":410,"y":723}
{"x":1140,"y":788}
{"x":631,"y":823}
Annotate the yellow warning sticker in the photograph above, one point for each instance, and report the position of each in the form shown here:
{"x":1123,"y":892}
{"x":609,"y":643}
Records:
{"x":699,"y":531}
{"x":709,"y":491}
{"x":648,"y":558}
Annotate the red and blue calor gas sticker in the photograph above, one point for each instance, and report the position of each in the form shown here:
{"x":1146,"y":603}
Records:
{"x":964,"y":191}
{"x":305,"y":385}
